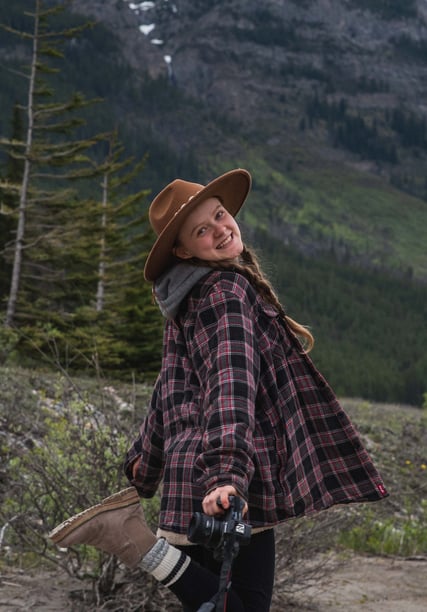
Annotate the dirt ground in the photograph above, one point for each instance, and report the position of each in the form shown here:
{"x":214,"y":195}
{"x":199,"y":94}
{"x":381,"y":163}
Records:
{"x":371,"y":584}
{"x":358,"y":583}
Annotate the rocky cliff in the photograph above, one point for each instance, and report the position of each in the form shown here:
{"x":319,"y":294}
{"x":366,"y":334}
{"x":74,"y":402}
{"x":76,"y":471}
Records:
{"x":246,"y":56}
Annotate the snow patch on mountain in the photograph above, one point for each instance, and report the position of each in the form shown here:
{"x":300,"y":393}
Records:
{"x":147,"y":10}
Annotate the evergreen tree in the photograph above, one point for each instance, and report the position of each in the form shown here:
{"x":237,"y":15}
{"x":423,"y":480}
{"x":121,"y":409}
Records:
{"x":48,"y":156}
{"x":9,"y":199}
{"x":77,"y":291}
{"x":118,"y":326}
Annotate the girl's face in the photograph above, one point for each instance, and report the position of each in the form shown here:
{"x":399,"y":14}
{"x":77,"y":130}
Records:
{"x":209,"y":233}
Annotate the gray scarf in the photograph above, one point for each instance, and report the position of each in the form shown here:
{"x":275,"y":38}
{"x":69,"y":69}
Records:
{"x":172,"y":287}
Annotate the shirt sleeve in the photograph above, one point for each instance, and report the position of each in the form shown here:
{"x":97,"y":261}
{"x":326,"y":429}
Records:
{"x":226,"y":359}
{"x":144,"y":460}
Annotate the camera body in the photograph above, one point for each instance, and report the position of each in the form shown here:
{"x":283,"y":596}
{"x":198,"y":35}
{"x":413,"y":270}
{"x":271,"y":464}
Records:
{"x":214,"y":532}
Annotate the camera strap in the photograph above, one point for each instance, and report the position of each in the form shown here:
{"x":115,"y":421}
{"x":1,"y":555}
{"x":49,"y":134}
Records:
{"x":219,"y":600}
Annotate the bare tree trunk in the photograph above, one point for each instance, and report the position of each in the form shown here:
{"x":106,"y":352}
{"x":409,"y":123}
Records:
{"x":100,"y":292}
{"x":20,"y":232}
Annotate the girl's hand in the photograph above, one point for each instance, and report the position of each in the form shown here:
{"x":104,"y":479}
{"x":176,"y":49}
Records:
{"x":220,"y":494}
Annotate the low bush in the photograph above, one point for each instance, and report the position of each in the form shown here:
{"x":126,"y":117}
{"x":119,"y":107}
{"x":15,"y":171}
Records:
{"x":403,"y":537}
{"x":62,"y":451}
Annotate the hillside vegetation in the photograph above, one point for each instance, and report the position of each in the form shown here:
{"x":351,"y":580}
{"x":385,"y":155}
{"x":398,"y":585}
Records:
{"x":369,"y":328}
{"x":62,"y":447}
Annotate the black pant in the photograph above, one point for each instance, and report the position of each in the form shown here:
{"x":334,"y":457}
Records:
{"x":252,"y":576}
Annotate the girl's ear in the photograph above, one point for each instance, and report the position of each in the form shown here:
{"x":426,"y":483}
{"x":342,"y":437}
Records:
{"x":181,"y":252}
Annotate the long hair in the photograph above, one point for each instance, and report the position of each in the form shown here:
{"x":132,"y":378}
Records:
{"x":249,"y":267}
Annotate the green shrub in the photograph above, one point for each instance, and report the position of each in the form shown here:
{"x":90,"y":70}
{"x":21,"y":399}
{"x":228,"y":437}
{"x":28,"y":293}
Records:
{"x":56,"y":461}
{"x":8,"y":342}
{"x":403,"y":537}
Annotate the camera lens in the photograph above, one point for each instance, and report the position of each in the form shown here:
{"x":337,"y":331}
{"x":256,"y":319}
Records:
{"x":204,"y":530}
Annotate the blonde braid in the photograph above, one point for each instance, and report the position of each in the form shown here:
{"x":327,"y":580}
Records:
{"x":261,"y":283}
{"x":250,"y":268}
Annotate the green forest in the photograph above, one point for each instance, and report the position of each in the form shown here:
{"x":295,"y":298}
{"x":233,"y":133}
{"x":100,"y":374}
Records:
{"x":369,"y":327}
{"x":75,"y":184}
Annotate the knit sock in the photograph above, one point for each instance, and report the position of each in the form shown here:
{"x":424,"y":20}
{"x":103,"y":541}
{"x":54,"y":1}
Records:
{"x":165,"y":562}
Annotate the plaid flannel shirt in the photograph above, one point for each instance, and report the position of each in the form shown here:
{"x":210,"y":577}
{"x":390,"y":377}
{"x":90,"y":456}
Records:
{"x":238,"y":402}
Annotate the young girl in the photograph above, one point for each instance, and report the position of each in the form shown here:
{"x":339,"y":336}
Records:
{"x":238,"y":409}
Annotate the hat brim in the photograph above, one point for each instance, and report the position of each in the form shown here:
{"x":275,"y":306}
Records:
{"x":232,"y":188}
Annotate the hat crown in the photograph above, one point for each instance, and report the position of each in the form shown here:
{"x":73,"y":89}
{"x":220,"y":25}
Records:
{"x":170,"y":201}
{"x":176,"y":201}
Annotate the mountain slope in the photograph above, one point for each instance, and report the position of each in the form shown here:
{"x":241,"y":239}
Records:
{"x":323,"y":100}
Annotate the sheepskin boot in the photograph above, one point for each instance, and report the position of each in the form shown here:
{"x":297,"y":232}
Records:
{"x":116,"y":525}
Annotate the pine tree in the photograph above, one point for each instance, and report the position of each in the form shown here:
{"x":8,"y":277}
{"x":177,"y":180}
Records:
{"x":77,"y":292}
{"x":9,"y":200}
{"x":118,"y":326}
{"x":50,"y":161}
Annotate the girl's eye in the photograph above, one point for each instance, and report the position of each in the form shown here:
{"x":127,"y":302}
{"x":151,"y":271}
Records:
{"x":201,"y":231}
{"x":219,"y":214}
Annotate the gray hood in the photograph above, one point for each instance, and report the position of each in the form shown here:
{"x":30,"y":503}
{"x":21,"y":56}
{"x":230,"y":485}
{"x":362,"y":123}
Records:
{"x":172,"y":287}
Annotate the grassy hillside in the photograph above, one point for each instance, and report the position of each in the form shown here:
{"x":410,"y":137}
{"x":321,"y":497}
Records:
{"x":323,"y":207}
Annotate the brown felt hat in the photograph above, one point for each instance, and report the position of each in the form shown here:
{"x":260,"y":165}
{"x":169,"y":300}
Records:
{"x":171,"y":206}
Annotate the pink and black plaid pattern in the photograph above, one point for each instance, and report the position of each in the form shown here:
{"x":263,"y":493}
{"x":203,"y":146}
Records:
{"x":238,"y":402}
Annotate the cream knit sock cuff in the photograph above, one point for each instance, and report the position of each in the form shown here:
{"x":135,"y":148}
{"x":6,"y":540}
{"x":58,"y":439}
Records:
{"x":165,"y":562}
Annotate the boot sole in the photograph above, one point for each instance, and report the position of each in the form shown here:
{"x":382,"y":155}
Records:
{"x":122,"y":499}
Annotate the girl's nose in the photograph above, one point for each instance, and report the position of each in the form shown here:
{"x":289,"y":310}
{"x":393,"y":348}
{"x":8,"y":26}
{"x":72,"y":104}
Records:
{"x":219,"y":229}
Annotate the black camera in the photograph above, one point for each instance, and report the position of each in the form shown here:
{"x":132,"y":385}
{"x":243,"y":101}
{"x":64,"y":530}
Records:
{"x":213,"y":532}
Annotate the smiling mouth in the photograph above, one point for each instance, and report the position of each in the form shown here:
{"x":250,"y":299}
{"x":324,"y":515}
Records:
{"x":225,"y":242}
